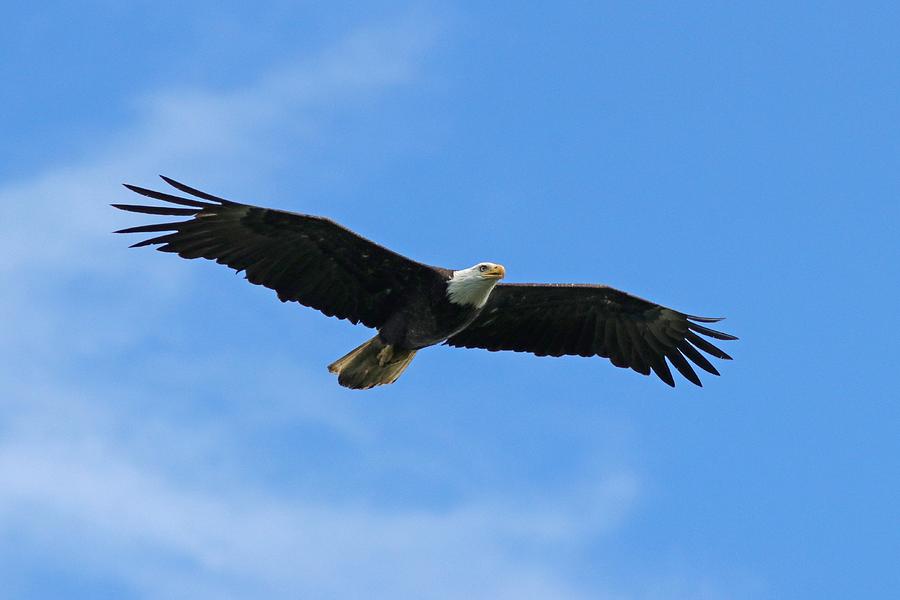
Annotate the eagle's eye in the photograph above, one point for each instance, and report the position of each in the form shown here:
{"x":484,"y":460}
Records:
{"x":482,"y":268}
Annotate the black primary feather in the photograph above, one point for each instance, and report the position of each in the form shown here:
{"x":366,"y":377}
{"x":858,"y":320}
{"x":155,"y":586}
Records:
{"x":293,"y":254}
{"x":632,"y":332}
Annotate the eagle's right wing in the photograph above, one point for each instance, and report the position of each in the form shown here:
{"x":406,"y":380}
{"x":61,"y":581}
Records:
{"x":307,"y":259}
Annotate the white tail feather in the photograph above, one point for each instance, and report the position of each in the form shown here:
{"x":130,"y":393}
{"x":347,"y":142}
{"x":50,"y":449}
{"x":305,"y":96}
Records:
{"x":370,"y":364}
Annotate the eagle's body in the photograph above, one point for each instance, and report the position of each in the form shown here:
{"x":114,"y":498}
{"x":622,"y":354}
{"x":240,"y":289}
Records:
{"x":430,"y":317}
{"x":320,"y":264}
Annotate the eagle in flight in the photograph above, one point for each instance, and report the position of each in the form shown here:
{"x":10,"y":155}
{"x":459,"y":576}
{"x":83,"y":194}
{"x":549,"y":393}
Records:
{"x":318,"y":263}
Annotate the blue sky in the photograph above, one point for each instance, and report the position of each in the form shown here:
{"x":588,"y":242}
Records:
{"x":167,"y":430}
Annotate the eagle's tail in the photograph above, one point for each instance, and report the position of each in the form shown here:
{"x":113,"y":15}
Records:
{"x":373,"y":363}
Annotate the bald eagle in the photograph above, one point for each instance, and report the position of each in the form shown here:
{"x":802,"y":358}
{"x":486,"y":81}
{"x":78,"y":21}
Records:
{"x":318,"y":263}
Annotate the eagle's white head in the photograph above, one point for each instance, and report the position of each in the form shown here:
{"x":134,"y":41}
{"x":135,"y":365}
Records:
{"x":472,"y":286}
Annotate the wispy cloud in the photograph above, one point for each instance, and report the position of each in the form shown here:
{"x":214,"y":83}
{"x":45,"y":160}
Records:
{"x":212,"y":131}
{"x":233,"y":535}
{"x":106,"y":476}
{"x":55,"y":235}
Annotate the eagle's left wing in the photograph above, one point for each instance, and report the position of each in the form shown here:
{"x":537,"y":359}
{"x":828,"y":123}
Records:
{"x":593,"y":320}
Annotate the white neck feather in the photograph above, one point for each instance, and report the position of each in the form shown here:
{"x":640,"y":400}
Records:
{"x":467,"y":287}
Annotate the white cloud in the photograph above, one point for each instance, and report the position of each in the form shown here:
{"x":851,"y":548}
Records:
{"x":56,"y":237}
{"x":58,"y":212}
{"x":125,"y":492}
{"x":103,"y":477}
{"x":281,"y":545}
{"x":100,"y":491}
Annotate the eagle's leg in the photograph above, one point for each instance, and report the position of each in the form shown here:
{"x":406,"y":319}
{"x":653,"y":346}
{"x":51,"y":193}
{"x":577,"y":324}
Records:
{"x":385,"y":355}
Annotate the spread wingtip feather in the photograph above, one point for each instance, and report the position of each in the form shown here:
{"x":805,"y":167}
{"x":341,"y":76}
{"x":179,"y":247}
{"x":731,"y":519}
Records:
{"x":194,"y":191}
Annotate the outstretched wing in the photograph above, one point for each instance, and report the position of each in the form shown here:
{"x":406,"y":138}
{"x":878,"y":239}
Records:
{"x":307,"y":259}
{"x":593,"y":320}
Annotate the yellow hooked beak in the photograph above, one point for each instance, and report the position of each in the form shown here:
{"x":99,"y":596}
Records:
{"x":496,"y":272}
